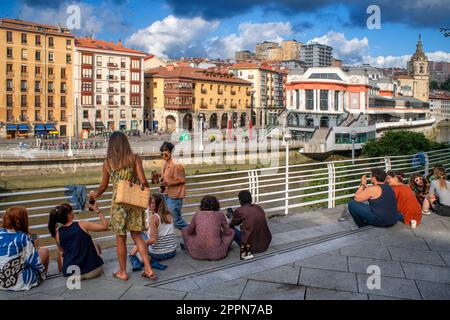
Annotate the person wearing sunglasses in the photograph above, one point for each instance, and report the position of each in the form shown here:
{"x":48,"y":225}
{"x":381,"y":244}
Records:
{"x":173,"y":184}
{"x":419,"y":184}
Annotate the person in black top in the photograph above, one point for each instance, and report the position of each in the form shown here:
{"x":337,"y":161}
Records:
{"x":74,"y":242}
{"x":381,"y":210}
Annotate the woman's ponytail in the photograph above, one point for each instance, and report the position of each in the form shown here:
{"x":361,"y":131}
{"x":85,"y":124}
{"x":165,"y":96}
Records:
{"x":58,"y":215}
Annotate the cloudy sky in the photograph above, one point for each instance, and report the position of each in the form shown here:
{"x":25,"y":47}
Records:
{"x":218,"y":28}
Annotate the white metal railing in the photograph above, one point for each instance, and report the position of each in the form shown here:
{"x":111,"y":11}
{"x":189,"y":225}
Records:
{"x":277,"y":189}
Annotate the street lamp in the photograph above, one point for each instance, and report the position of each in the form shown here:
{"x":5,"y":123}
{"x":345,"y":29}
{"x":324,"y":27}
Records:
{"x":70,"y":152}
{"x":353,"y":136}
{"x":200,"y":118}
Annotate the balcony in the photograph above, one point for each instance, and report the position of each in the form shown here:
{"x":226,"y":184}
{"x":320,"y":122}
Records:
{"x":51,"y":76}
{"x":248,"y":105}
{"x":10,"y":73}
{"x":233,"y":92}
{"x":23,"y":118}
{"x":112,"y":103}
{"x":24,"y":74}
{"x":122,"y":102}
{"x":220,"y":91}
{"x":203,"y":105}
{"x":63,"y":76}
{"x":63,"y":91}
{"x":63,"y":105}
{"x":37,"y":105}
{"x":51,"y":119}
{"x":111,"y":90}
{"x":51,"y":105}
{"x":37,"y":90}
{"x":122,"y":78}
{"x":24,"y":104}
{"x":248,"y":93}
{"x":113,"y":78}
{"x":233,"y":105}
{"x":203,"y":90}
{"x":219,"y":106}
{"x":25,"y":90}
{"x":98,"y":77}
{"x":9,"y":89}
{"x":123,"y":65}
{"x":112,"y":65}
{"x":51,"y":90}
{"x":38,"y":75}
{"x":122,"y":90}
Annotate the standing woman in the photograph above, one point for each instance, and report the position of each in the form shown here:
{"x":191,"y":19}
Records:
{"x":122,"y":164}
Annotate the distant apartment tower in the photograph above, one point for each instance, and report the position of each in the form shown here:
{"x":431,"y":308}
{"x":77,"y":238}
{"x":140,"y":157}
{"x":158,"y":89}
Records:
{"x":108,"y":86}
{"x":316,"y":55}
{"x":263,"y":51}
{"x":290,"y":50}
{"x":244,"y":55}
{"x":336,"y":63}
{"x":36,"y":75}
{"x":439,"y":71}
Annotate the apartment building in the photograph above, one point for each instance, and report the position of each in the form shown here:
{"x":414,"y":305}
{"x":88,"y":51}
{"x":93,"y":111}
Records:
{"x":268,"y":82}
{"x":179,"y":97}
{"x":108,"y":87}
{"x":290,"y":50}
{"x":244,"y":55}
{"x":316,"y":55}
{"x":36,"y":71}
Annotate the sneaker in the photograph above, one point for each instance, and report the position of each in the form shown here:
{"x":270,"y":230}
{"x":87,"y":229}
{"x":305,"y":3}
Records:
{"x":426,"y":213}
{"x":182,"y":246}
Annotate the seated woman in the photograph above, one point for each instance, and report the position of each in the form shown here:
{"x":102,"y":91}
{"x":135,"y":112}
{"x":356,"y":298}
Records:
{"x":74,"y":242}
{"x":208,"y":236}
{"x":440,"y":192}
{"x":22,"y":264}
{"x":420,"y":187}
{"x":407,"y":205}
{"x":161,"y":241}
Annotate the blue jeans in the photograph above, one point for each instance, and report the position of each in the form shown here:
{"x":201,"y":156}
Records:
{"x":162,"y":256}
{"x":174,"y":206}
{"x":237,"y":235}
{"x":363,"y":215}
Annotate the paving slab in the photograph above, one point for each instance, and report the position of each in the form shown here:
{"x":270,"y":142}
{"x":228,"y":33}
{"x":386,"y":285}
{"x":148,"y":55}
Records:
{"x":387,"y":268}
{"x":227,"y":290}
{"x":196,"y":296}
{"x":367,"y":249}
{"x":446,"y":257}
{"x":325,"y":294}
{"x":149,"y":293}
{"x":41,"y":296}
{"x":181,"y":285}
{"x":438,"y":242}
{"x":98,"y":289}
{"x":390,"y":287}
{"x":260,"y":290}
{"x":325,"y":261}
{"x":284,"y":274}
{"x":434,"y":291}
{"x":328,"y":279}
{"x":377,"y":297}
{"x":404,"y":241}
{"x":427,"y":272}
{"x":416,"y":255}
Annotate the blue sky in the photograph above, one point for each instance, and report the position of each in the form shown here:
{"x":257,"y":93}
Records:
{"x":216,"y":28}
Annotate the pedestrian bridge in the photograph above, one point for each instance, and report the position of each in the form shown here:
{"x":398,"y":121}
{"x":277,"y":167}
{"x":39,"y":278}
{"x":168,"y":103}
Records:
{"x":312,"y":255}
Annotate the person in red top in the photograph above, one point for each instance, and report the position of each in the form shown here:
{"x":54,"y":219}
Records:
{"x":407,"y":203}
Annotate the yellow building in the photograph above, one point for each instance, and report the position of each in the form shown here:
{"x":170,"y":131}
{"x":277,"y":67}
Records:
{"x":178,"y":97}
{"x":36,"y":70}
{"x":290,"y":50}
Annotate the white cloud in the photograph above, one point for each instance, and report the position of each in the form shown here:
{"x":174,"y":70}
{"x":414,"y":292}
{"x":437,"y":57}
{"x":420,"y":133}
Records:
{"x":173,"y":36}
{"x":401,"y":61}
{"x":351,"y":51}
{"x":249,"y":35}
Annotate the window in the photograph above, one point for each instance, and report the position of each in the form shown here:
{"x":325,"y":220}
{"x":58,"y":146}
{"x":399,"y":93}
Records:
{"x":309,"y":99}
{"x":9,"y":52}
{"x":50,"y":87}
{"x":133,"y":113}
{"x":23,"y":86}
{"x":9,"y":85}
{"x":51,"y":56}
{"x":122,"y":87}
{"x":63,"y":115}
{"x":68,"y":42}
{"x":122,"y":63}
{"x":86,"y":100}
{"x":99,"y":74}
{"x":122,"y":75}
{"x":98,"y":100}
{"x":98,"y":87}
{"x":86,"y":73}
{"x":38,"y":55}
{"x":50,"y":102}
{"x":24,"y":38}
{"x":24,"y":54}
{"x":9,"y":115}
{"x":122,"y":100}
{"x":63,"y":73}
{"x":111,"y":114}
{"x":37,"y":86}
{"x":323,"y":99}
{"x":135,"y":64}
{"x":23,"y":101}
{"x":86,"y":86}
{"x":111,"y":60}
{"x":9,"y":36}
{"x":50,"y":42}
{"x":37,"y":101}
{"x":98,"y":114}
{"x":135,"y":100}
{"x":37,"y":40}
{"x":336,"y":100}
{"x":63,"y":102}
{"x":23,"y":69}
{"x":99,"y":61}
{"x":135,"y":76}
{"x":135,"y":88}
{"x":37,"y":70}
{"x":85,"y":114}
{"x":63,"y":87}
{"x":37,"y":115}
{"x":86,"y":59}
{"x":68,"y":58}
{"x":9,"y":100}
{"x":50,"y":71}
{"x":122,"y":114}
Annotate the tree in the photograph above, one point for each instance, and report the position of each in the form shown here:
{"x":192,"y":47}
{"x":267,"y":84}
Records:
{"x":402,"y":142}
{"x":446,"y":85}
{"x":434,"y":85}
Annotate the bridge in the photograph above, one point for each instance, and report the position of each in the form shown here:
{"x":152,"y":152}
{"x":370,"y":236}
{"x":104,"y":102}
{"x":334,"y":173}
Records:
{"x":316,"y":253}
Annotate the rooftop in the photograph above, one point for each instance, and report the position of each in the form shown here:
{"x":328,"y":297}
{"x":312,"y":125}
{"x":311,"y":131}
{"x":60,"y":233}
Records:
{"x":35,"y":27}
{"x":90,"y":43}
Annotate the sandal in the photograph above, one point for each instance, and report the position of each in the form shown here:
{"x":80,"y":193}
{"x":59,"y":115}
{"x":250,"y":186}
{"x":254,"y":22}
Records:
{"x":148,"y":276}
{"x":116,"y":275}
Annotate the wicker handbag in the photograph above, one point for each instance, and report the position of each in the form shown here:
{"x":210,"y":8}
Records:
{"x":132,"y":195}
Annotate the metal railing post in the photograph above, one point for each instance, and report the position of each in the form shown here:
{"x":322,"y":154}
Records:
{"x":286,"y":204}
{"x":387,"y":163}
{"x":427,"y":165}
{"x":331,"y":185}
